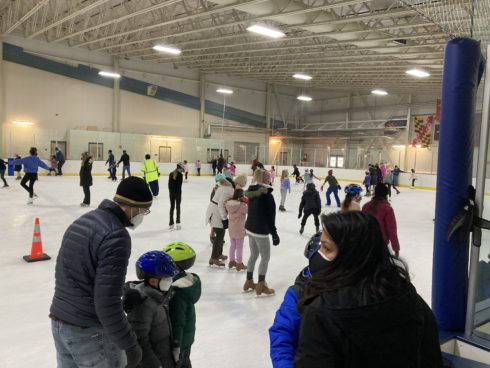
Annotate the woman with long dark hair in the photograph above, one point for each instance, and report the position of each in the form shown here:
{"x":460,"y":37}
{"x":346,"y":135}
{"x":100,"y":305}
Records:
{"x":362,"y":310}
{"x":175,"y":194}
{"x":86,"y":177}
{"x":380,"y":208}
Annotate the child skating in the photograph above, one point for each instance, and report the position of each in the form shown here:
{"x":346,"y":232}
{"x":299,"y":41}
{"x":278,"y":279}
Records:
{"x":413,"y":177}
{"x":311,"y":204}
{"x":285,"y":188}
{"x":367,"y":183}
{"x":237,"y":214}
{"x":273,"y":175}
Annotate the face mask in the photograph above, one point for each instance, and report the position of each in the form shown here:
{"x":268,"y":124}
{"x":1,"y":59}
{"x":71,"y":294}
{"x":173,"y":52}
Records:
{"x":165,"y":284}
{"x":136,"y":220}
{"x":318,"y":262}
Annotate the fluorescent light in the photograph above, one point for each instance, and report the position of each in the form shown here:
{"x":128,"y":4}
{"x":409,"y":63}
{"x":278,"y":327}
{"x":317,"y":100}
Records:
{"x":109,"y":74}
{"x":418,"y":73}
{"x":166,"y":139}
{"x":167,"y":49}
{"x":398,"y":146}
{"x":23,"y":122}
{"x":379,"y":92}
{"x":224,"y":91}
{"x":302,"y":76}
{"x":265,"y":31}
{"x":304,"y":98}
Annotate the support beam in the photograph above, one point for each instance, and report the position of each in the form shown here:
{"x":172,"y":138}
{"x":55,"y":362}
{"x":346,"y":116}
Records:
{"x":202,"y":99}
{"x":116,"y":99}
{"x":268,"y":115}
{"x":409,"y":118}
{"x":3,"y":151}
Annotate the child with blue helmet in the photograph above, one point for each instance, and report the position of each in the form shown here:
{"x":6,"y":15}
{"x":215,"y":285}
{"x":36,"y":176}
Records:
{"x":147,"y":304}
{"x":352,"y":200}
{"x":284,"y":332}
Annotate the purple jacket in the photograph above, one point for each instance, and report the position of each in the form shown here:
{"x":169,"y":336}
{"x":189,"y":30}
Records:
{"x":387,"y":222}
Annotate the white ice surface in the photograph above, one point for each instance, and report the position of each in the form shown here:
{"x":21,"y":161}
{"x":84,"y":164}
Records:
{"x":232,"y":327}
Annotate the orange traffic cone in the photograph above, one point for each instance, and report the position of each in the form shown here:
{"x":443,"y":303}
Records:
{"x":37,"y":246}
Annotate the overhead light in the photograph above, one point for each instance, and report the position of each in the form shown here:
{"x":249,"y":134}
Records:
{"x":109,"y":74}
{"x":302,"y":76}
{"x":304,"y":98}
{"x":398,"y":146}
{"x":265,"y":31}
{"x":167,"y":49}
{"x":418,"y":73}
{"x":225,"y":91}
{"x":23,"y":122}
{"x":379,"y":92}
{"x":166,"y":139}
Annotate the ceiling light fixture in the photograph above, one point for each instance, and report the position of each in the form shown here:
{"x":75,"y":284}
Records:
{"x":109,"y":74}
{"x":302,"y":76}
{"x":265,"y":31}
{"x":418,"y":73}
{"x":167,"y":49}
{"x":379,"y":92}
{"x":224,"y":91}
{"x":304,"y":98}
{"x":23,"y":122}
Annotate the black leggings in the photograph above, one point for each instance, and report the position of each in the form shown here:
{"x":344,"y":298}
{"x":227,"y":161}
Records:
{"x":175,"y":199}
{"x":2,"y":175}
{"x":307,"y":214}
{"x":31,"y":178}
{"x":219,"y":235}
{"x":86,"y":192}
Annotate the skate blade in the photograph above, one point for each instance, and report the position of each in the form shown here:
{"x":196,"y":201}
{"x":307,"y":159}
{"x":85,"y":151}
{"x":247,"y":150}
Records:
{"x":264,"y":295}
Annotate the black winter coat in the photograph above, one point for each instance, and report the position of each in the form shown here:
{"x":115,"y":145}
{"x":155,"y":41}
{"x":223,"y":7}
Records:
{"x":175,"y":185}
{"x":310,"y":202}
{"x":86,"y":173}
{"x":124,"y":159}
{"x":338,"y":330}
{"x":261,"y":217}
{"x":148,"y":313}
{"x":90,"y":273}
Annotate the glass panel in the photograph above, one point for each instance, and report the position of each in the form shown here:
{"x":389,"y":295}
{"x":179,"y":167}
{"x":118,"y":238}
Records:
{"x":96,"y":150}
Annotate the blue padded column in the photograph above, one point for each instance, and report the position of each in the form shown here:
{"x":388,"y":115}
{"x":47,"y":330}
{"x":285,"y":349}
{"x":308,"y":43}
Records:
{"x":463,"y":65}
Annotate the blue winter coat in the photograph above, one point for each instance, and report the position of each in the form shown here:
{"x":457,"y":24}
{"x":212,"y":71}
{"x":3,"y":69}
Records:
{"x":90,"y":273}
{"x":284,"y":332}
{"x":31,"y":164}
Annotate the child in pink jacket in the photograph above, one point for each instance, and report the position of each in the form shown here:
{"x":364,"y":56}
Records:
{"x":237,"y":213}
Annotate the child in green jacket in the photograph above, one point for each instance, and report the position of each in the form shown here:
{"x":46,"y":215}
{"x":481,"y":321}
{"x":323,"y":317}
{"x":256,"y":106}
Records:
{"x":187,"y":288}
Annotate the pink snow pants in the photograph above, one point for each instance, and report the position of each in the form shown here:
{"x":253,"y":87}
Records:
{"x":236,"y":250}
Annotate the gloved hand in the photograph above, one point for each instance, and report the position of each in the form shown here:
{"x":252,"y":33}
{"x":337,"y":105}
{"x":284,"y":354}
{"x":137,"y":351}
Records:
{"x":176,"y":354}
{"x":225,"y":224}
{"x":339,"y":187}
{"x":299,"y":215}
{"x":321,"y":189}
{"x":133,"y":356}
{"x":275,"y":239}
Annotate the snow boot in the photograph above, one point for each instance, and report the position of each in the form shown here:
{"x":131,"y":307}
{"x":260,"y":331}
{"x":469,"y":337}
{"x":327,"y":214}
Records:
{"x":216,"y":262}
{"x":249,"y":286}
{"x":240,"y":267}
{"x":263,"y":289}
{"x":231,"y":264}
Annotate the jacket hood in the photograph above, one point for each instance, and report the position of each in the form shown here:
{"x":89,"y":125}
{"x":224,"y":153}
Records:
{"x":363,"y":325}
{"x":309,"y":192}
{"x":257,"y":190}
{"x":136,"y":292}
{"x":233,"y":206}
{"x":188,"y":285}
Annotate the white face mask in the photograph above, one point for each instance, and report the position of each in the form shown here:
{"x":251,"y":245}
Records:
{"x":136,"y":220}
{"x":165,"y":284}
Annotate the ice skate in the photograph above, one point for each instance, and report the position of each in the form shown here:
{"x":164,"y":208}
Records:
{"x":171,"y":227}
{"x":249,"y":286}
{"x":231,"y":264}
{"x":263,"y":289}
{"x":83,"y":204}
{"x":34,"y":196}
{"x":178,"y":227}
{"x":30,"y":201}
{"x":216,"y":262}
{"x":240,"y":267}
{"x":302,"y":229}
{"x":281,"y":208}
{"x":222,"y":257}
{"x":6,"y":186}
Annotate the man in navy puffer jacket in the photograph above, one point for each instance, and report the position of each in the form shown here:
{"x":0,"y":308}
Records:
{"x":284,"y":332}
{"x":88,"y":322}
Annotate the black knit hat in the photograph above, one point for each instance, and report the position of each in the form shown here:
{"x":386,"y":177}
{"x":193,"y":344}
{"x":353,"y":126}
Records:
{"x":133,"y":192}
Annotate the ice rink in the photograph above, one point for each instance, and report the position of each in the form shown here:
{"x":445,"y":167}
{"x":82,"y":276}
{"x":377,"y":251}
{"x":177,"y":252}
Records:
{"x":232,"y":327}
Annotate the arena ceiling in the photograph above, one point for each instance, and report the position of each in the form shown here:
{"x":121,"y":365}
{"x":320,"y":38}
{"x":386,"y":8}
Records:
{"x":343,"y":44}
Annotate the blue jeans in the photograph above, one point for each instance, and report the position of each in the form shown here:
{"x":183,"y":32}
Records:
{"x":78,"y":347}
{"x":126,"y":168}
{"x":335,"y":191}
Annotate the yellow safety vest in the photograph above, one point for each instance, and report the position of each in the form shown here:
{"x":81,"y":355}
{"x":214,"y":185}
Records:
{"x":150,"y":170}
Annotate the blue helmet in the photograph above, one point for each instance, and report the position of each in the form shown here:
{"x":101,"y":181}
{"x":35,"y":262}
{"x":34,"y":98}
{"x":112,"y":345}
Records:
{"x":157,"y":264}
{"x":353,"y":189}
{"x":313,"y":245}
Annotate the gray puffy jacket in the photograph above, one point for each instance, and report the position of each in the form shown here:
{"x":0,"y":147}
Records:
{"x":147,"y":310}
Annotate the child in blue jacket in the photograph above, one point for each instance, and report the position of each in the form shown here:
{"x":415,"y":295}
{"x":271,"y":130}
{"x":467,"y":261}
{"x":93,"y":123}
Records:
{"x":284,"y":332}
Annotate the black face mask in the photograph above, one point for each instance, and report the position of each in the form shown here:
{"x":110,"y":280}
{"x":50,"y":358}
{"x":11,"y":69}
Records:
{"x":318,"y":263}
